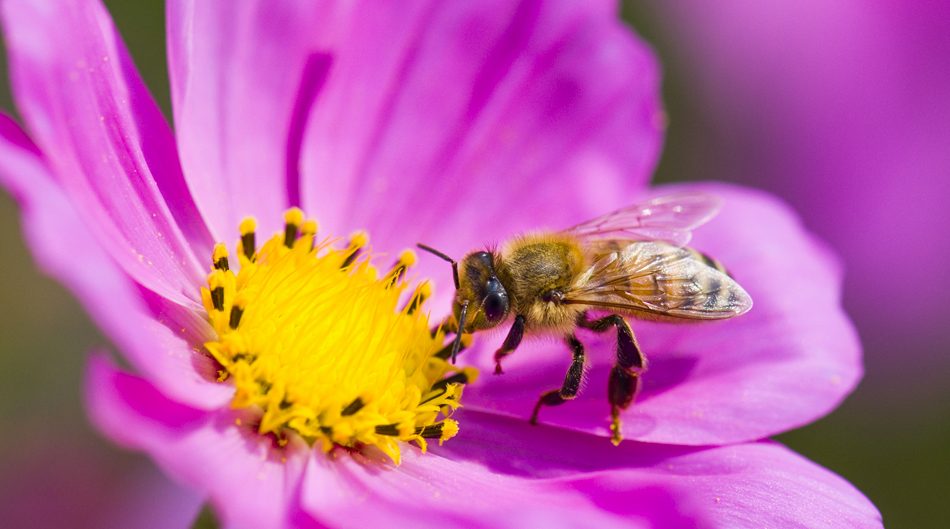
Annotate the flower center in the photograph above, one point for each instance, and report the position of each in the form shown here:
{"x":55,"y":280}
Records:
{"x":319,"y":343}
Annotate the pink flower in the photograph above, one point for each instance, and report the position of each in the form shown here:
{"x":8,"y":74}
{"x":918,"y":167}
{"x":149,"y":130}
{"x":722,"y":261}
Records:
{"x":454,"y":124}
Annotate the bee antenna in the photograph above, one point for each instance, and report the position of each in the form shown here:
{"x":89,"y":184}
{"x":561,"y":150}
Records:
{"x":457,"y":344}
{"x":455,"y":269}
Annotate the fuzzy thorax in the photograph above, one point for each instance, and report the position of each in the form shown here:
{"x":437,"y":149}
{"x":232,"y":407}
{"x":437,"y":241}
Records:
{"x":316,"y":342}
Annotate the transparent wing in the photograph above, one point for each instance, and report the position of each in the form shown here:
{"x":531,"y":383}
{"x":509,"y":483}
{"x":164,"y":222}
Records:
{"x":660,"y":279}
{"x":666,"y":218}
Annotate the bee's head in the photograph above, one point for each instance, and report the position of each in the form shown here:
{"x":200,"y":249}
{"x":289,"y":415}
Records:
{"x":481,"y":293}
{"x":481,"y":301}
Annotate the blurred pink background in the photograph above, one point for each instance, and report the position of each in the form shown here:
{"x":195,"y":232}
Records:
{"x":843,"y":108}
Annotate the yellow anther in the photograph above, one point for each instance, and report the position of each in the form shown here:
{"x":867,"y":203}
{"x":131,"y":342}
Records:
{"x":293,"y":216}
{"x":219,"y":256}
{"x":407,"y":258}
{"x":308,"y":232}
{"x":358,"y":240}
{"x":309,"y":227}
{"x":248,"y":225}
{"x":450,"y":428}
{"x":248,"y":240}
{"x":292,"y":219}
{"x":424,"y":290}
{"x":422,"y":293}
{"x":220,"y":251}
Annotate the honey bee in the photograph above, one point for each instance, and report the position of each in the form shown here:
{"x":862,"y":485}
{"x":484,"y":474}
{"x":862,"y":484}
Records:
{"x":631,"y":262}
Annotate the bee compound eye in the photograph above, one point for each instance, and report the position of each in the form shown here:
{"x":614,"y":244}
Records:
{"x":495,"y":306}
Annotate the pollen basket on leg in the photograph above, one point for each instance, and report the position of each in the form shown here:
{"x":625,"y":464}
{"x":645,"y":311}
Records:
{"x":318,"y":342}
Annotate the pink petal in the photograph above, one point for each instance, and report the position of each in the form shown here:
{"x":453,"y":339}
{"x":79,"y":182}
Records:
{"x":498,"y":472}
{"x":251,"y":480}
{"x":253,"y":484}
{"x":106,"y":141}
{"x":139,"y":321}
{"x":436,"y":491}
{"x":458,"y":123}
{"x":789,"y":361}
{"x":752,"y":485}
{"x":242,"y":78}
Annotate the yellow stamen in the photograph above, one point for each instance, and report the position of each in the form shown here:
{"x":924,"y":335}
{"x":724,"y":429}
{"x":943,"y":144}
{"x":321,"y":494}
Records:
{"x":219,"y":257}
{"x":406,"y":259}
{"x":248,"y":225}
{"x":358,"y":240}
{"x":422,"y":293}
{"x":292,"y":221}
{"x":310,"y":226}
{"x":315,"y":342}
{"x":294,"y":216}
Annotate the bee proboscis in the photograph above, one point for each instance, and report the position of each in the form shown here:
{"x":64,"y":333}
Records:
{"x":631,"y":262}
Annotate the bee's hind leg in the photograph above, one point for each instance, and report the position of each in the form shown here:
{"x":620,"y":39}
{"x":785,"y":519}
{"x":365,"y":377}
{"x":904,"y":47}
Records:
{"x":512,"y":341}
{"x":625,"y":375}
{"x":572,"y":380}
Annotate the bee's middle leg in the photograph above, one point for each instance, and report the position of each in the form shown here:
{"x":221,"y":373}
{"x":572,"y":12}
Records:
{"x":572,"y":380}
{"x":625,"y":375}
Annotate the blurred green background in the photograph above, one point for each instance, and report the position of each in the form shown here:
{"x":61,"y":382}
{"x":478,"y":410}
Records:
{"x":891,"y":438}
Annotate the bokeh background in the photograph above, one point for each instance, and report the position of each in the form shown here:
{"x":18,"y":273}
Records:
{"x":841,"y":107}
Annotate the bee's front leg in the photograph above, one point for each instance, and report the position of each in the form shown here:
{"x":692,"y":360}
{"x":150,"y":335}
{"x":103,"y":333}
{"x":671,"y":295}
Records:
{"x":512,"y":341}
